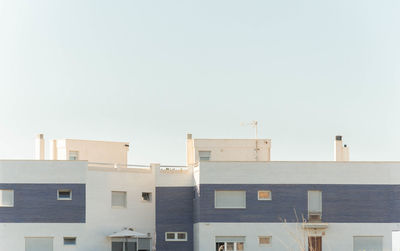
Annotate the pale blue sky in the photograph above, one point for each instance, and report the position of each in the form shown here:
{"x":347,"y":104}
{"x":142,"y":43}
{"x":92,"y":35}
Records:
{"x":148,"y":72}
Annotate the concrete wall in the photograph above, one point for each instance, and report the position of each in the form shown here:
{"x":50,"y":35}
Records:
{"x":285,"y":236}
{"x":285,"y":172}
{"x":94,"y":151}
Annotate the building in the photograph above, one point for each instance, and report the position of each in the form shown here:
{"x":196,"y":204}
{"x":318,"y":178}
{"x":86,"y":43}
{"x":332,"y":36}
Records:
{"x":229,"y":197}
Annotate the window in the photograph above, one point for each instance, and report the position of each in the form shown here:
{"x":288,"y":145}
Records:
{"x":39,"y":243}
{"x":64,"y":195}
{"x":70,"y":241}
{"x":264,"y":195}
{"x":229,"y":243}
{"x":73,"y":155}
{"x":264,"y":240}
{"x":118,"y":199}
{"x":176,"y":236}
{"x":6,"y":198}
{"x":204,"y":155}
{"x":146,"y":196}
{"x":368,"y":243}
{"x":314,"y":205}
{"x":230,"y":199}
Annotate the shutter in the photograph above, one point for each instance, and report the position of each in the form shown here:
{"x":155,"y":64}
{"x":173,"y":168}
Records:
{"x":315,"y":201}
{"x":368,"y":243}
{"x":38,"y":244}
{"x":230,"y":199}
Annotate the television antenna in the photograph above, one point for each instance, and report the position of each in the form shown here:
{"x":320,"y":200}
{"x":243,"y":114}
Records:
{"x":253,"y":124}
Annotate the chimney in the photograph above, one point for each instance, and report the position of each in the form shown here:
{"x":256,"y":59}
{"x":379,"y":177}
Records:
{"x":39,"y":147}
{"x":341,"y":151}
{"x":189,"y":149}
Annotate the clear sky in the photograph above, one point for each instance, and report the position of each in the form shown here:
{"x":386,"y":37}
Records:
{"x":148,"y":72}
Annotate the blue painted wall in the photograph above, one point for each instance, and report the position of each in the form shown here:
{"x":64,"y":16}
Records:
{"x":340,"y":203}
{"x":37,"y":203}
{"x":174,"y":213}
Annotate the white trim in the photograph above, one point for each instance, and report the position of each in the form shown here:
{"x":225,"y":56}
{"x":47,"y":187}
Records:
{"x":175,"y":236}
{"x":64,"y":190}
{"x":270,"y":194}
{"x":12,"y":204}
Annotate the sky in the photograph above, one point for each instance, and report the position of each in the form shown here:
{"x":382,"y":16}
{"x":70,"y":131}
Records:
{"x":148,"y":72}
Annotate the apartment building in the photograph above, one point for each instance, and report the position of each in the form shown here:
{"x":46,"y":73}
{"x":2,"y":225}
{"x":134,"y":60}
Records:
{"x":234,"y":198}
{"x":229,"y":197}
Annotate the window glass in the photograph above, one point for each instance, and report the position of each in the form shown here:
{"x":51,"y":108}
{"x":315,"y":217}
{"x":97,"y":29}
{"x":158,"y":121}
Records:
{"x":6,"y":198}
{"x":64,"y":194}
{"x":230,"y":199}
{"x":181,"y":236}
{"x":69,"y":240}
{"x":118,"y":199}
{"x":230,"y":246}
{"x":239,"y":246}
{"x":264,"y":240}
{"x":170,"y":236}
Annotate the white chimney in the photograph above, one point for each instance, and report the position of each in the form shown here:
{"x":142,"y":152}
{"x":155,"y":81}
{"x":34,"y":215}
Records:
{"x":39,"y":147}
{"x":341,"y":151}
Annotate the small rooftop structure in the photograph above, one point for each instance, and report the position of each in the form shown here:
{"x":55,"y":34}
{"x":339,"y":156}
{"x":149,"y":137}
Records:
{"x":227,"y":150}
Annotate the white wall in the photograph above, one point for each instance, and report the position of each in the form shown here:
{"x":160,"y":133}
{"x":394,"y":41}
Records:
{"x":94,"y":151}
{"x":102,"y":219}
{"x":42,"y":171}
{"x":284,"y":172}
{"x":229,"y":149}
{"x":338,"y":236}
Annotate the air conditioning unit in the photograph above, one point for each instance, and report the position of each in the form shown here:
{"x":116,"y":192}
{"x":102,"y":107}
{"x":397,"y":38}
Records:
{"x":314,"y":217}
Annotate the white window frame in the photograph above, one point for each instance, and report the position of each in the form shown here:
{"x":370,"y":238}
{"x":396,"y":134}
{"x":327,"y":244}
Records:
{"x":265,"y":244}
{"x":70,"y":237}
{"x":64,"y":190}
{"x":270,"y":194}
{"x":73,"y":151}
{"x":205,"y":151}
{"x":176,"y":236}
{"x":219,"y":207}
{"x":308,"y":202}
{"x":125,"y":202}
{"x":12,"y":204}
{"x":150,"y":197}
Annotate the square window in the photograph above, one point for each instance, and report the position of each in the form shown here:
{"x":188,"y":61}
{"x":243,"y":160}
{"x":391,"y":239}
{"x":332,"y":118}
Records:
{"x":118,"y":199}
{"x":146,"y":196}
{"x":170,"y":236}
{"x":64,"y":195}
{"x":204,"y":155}
{"x":70,"y":241}
{"x":6,"y":198}
{"x":264,"y":240}
{"x":73,"y":155}
{"x":264,"y":195}
{"x":182,"y":236}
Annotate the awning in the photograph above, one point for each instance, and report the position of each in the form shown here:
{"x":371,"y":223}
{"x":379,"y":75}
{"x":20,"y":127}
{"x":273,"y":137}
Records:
{"x":128,"y":233}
